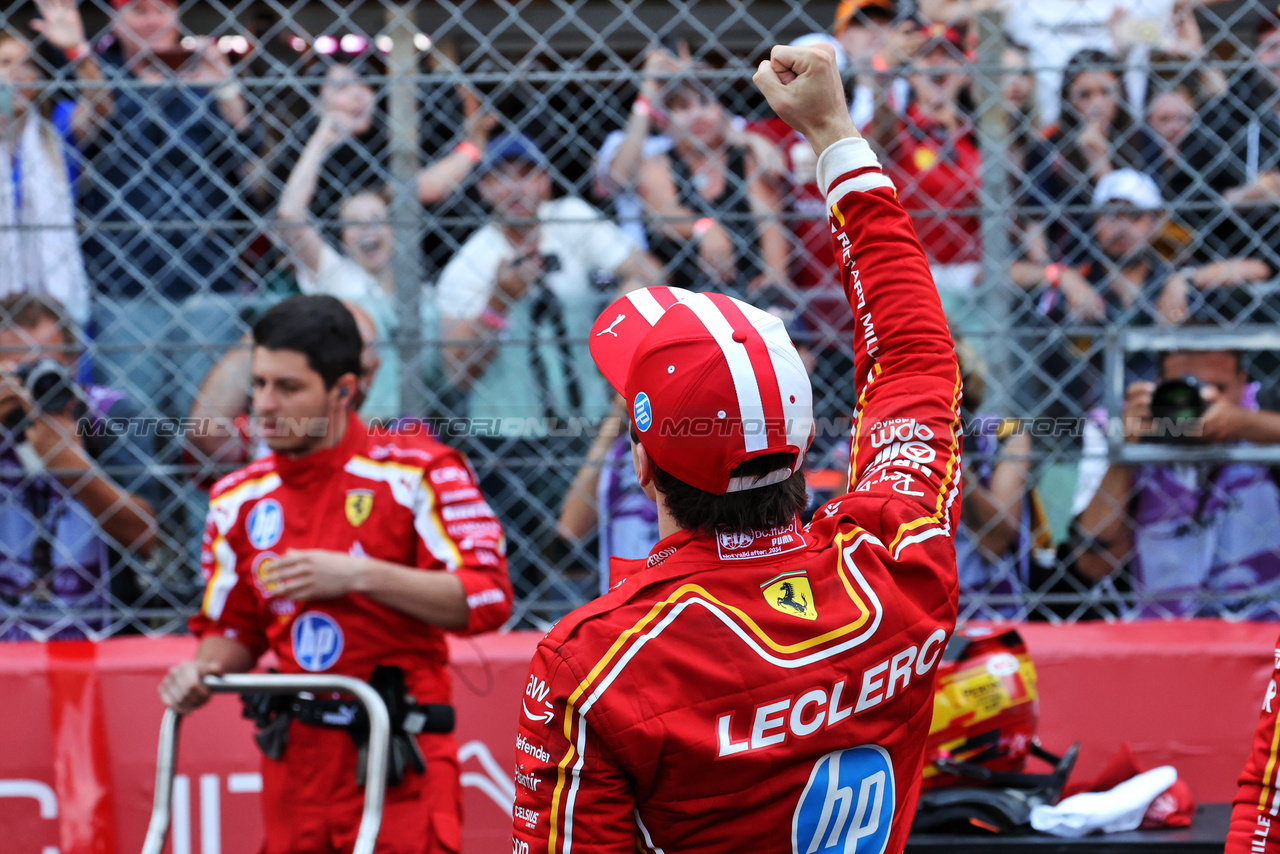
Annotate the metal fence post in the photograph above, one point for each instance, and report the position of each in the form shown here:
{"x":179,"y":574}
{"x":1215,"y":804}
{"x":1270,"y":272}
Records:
{"x":993,"y":294}
{"x":406,"y":211}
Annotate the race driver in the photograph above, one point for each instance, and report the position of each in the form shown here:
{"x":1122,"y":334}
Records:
{"x":341,"y":551}
{"x":756,"y":685}
{"x":1255,"y":814}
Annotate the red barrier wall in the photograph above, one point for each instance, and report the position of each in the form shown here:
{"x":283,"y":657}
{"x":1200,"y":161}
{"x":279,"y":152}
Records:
{"x":77,"y":749}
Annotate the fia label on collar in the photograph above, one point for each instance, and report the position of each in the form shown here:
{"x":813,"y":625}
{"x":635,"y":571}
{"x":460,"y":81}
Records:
{"x":760,"y":542}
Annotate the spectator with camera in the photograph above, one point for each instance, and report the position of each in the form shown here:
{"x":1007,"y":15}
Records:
{"x":517,"y":301}
{"x":533,"y":273}
{"x":76,"y":501}
{"x":166,"y":171}
{"x":1188,"y":539}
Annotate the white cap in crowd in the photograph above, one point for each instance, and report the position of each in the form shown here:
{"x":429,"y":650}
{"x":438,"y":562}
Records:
{"x":1128,"y":185}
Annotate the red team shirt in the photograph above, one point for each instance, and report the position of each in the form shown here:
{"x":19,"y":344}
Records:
{"x":940,"y":171}
{"x":405,"y":499}
{"x":1255,"y":818}
{"x":639,"y":730}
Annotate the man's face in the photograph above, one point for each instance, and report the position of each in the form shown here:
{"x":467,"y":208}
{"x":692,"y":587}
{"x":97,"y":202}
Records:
{"x":1124,"y":233}
{"x":291,"y":406}
{"x":515,"y":189}
{"x":367,"y":238}
{"x":146,"y":25}
{"x":1219,"y":369}
{"x":43,"y":341}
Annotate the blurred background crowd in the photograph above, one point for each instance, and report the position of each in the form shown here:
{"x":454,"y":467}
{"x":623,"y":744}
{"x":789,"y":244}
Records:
{"x":1096,"y":183}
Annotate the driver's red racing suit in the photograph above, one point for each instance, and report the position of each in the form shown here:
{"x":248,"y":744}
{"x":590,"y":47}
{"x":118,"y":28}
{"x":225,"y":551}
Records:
{"x":772,"y":693}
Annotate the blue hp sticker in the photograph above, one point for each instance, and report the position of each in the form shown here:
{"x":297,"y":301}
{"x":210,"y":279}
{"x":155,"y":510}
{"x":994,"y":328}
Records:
{"x":317,"y":641}
{"x":265,"y":524}
{"x":847,"y":805}
{"x":643,"y":412}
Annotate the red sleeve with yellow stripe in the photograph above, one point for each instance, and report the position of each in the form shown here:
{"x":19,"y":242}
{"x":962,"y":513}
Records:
{"x":571,"y":794}
{"x":1255,"y":817}
{"x":457,"y":528}
{"x":906,"y":437}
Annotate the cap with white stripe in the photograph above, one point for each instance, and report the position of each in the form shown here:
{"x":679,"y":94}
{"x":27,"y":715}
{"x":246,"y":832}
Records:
{"x":711,"y":382}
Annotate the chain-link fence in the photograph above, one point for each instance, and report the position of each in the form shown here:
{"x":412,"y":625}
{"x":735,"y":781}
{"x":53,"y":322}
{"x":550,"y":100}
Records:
{"x":1099,"y":198}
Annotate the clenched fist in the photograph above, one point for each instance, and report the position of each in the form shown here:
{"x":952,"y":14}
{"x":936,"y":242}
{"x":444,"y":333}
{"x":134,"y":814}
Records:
{"x":802,"y":85}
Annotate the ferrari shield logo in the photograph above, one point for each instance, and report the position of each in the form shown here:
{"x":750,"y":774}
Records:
{"x":359,"y":505}
{"x":790,"y":593}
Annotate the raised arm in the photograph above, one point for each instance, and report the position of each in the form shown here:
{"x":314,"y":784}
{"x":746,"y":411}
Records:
{"x":62,"y":27}
{"x":445,"y":175}
{"x":293,"y":223}
{"x":906,"y":438}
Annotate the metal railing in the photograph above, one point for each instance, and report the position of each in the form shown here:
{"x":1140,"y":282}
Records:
{"x":375,"y":787}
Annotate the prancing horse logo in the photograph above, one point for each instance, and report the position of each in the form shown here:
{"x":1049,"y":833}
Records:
{"x":790,"y":593}
{"x":788,"y":599}
{"x":609,"y":330}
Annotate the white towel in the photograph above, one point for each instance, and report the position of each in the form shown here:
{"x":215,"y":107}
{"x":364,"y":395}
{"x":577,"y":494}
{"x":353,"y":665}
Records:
{"x":1114,"y":811}
{"x":38,"y":242}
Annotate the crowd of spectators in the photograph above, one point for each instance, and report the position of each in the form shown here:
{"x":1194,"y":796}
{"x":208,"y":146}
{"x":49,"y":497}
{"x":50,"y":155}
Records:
{"x":154,"y":214}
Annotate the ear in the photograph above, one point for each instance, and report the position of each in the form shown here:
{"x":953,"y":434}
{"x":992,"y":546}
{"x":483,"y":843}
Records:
{"x":344,"y":391}
{"x":644,"y":470}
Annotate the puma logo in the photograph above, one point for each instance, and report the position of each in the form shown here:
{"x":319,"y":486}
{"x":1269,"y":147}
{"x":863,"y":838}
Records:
{"x":616,"y":321}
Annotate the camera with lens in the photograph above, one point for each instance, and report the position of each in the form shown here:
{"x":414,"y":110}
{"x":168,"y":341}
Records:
{"x":1174,"y":404}
{"x":49,"y":385}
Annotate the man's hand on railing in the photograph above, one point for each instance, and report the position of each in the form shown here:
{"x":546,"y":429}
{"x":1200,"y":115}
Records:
{"x":183,"y":688}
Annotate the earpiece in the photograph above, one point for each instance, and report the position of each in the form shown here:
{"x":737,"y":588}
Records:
{"x":342,"y":392}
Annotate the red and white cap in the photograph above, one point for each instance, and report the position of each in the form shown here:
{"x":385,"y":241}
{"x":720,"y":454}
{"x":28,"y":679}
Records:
{"x":710,"y":382}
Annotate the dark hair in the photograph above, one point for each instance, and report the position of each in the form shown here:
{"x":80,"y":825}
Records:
{"x":687,"y":88}
{"x":764,"y":507}
{"x":26,"y":310}
{"x":1123,"y":135}
{"x":750,"y":509}
{"x":320,"y":328}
